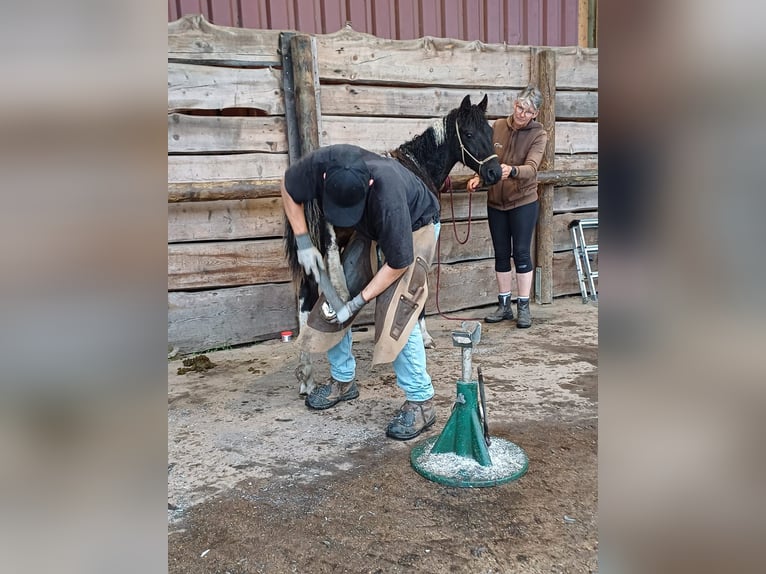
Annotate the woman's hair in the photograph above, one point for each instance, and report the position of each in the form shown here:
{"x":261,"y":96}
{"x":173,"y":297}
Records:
{"x":530,"y":96}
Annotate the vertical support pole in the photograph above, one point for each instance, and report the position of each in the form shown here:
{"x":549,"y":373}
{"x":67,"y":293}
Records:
{"x":583,"y":22}
{"x":288,"y":89}
{"x":544,"y":76}
{"x":306,"y":79}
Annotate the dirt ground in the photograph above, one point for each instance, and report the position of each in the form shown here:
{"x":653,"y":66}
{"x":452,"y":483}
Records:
{"x":258,"y":483}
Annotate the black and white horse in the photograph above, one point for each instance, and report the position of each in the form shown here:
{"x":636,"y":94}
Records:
{"x":463,"y":135}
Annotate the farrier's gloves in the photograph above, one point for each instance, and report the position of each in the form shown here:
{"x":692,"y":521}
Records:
{"x":308,"y":255}
{"x":349,"y":309}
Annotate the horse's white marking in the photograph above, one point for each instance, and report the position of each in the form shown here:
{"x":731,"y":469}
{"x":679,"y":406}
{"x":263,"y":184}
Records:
{"x":440,"y":132}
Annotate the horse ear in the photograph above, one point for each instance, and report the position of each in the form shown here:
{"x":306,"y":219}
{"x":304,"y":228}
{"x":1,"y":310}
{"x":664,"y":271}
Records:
{"x":483,"y":104}
{"x":465,"y":105}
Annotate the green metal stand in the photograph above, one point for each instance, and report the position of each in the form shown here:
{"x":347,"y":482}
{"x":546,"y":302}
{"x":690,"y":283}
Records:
{"x":463,"y":454}
{"x":463,"y":434}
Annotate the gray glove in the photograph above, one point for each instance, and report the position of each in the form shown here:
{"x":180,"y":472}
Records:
{"x":349,"y":309}
{"x":308,"y":255}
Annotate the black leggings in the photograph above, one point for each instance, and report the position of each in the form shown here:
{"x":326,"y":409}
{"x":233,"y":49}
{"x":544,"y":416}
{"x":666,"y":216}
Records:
{"x":512,"y":236}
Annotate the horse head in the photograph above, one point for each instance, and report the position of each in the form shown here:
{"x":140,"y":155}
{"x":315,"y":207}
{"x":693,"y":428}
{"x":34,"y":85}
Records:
{"x":473,"y":141}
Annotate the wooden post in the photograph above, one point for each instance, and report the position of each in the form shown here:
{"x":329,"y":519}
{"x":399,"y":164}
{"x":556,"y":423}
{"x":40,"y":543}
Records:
{"x":544,"y":77}
{"x":306,"y":83}
{"x":288,"y":89}
{"x":583,"y":20}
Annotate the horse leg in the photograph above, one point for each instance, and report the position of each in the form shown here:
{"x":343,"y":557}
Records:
{"x":304,"y":372}
{"x":335,"y":267}
{"x":428,"y":340}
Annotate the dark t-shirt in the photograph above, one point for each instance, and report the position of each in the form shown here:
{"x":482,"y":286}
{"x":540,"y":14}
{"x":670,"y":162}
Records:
{"x":398,"y":203}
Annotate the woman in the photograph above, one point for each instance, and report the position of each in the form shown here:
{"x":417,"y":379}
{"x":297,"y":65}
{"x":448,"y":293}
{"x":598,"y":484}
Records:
{"x":512,"y":203}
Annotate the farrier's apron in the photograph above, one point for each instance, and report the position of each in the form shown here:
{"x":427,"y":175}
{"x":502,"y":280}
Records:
{"x":396,"y":309}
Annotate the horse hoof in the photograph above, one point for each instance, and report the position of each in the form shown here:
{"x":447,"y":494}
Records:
{"x":306,"y":388}
{"x":429,"y":343}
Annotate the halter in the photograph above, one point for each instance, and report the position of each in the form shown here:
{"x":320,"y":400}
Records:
{"x":464,"y":151}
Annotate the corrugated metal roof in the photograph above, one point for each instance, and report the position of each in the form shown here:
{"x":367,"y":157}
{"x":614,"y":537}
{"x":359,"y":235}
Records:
{"x":517,"y":22}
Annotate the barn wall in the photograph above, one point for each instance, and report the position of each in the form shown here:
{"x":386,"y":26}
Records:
{"x":515,"y":22}
{"x":227,"y":279}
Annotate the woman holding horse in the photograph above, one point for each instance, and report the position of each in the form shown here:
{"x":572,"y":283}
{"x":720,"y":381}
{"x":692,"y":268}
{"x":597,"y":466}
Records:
{"x":512,"y":203}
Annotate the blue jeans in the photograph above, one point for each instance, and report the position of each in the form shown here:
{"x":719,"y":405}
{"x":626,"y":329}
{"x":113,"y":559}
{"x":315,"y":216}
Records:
{"x":409,"y":365}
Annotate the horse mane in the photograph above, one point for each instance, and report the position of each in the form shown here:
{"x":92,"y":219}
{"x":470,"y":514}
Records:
{"x":416,"y":153}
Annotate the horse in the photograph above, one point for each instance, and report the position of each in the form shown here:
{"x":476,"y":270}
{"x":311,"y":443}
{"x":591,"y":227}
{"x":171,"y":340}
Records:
{"x":463,"y":135}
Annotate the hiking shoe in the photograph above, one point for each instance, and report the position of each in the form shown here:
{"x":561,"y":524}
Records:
{"x":504,"y":311}
{"x":331,"y":393}
{"x":412,"y":419}
{"x":525,"y":318}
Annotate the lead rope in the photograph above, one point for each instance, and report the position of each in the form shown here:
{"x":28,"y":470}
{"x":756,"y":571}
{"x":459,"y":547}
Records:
{"x":448,"y":185}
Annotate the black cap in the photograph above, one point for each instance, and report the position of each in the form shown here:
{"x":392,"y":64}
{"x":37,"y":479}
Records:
{"x":346,"y":183}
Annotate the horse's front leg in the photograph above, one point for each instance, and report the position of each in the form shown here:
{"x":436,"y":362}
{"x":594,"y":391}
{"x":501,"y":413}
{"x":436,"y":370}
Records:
{"x":428,"y":340}
{"x":304,"y":372}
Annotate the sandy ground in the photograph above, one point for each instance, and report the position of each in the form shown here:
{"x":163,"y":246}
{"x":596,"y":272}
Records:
{"x":258,"y":483}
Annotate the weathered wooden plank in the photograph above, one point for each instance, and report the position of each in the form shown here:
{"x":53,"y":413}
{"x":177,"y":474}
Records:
{"x":288,"y":89}
{"x":462,"y":286}
{"x":254,"y":188}
{"x":576,"y":68}
{"x":201,"y":191}
{"x":461,"y":205}
{"x":565,"y":274}
{"x":350,"y":56}
{"x":217,"y":134}
{"x":562,"y":235}
{"x":567,"y":162}
{"x":308,"y":113}
{"x":580,"y":105}
{"x":196,"y":87}
{"x":381,"y":134}
{"x":355,"y":57}
{"x":193,"y":39}
{"x":226,"y":264}
{"x":207,"y":320}
{"x":430,"y":102}
{"x":206,"y":168}
{"x":224,"y":220}
{"x":562,"y":177}
{"x":464,"y":241}
{"x":575,"y":198}
{"x":576,"y":137}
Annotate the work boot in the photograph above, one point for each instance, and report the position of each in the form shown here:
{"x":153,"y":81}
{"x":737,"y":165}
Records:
{"x":525,"y":319}
{"x":504,"y":310}
{"x":331,"y":393}
{"x":412,"y":419}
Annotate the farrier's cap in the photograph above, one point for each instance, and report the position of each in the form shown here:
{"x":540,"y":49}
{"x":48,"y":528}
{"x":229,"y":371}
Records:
{"x":346,"y":185}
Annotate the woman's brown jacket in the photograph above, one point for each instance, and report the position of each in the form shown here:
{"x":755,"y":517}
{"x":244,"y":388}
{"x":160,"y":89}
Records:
{"x":524,"y":149}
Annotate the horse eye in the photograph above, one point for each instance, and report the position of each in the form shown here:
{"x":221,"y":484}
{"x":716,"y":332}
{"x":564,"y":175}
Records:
{"x":468,"y":135}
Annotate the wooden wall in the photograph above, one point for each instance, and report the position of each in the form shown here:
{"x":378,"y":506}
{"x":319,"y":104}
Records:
{"x":227,"y":133}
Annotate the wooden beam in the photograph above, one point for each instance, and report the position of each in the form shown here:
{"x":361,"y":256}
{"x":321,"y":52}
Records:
{"x":204,"y":320}
{"x":568,"y":177}
{"x":306,"y":80}
{"x":546,"y":82}
{"x":288,"y":88}
{"x":193,"y":87}
{"x":192,"y":39}
{"x":179,"y":192}
{"x":216,"y":190}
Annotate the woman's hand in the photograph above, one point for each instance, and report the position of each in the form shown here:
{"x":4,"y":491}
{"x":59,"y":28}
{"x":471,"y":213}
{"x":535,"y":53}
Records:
{"x":473,"y":183}
{"x":506,"y":171}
